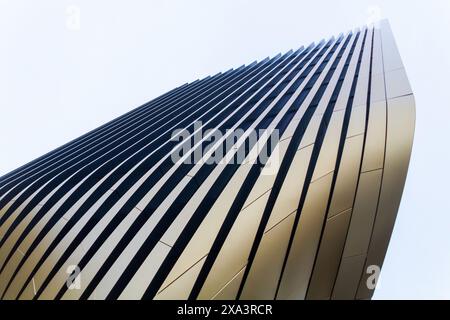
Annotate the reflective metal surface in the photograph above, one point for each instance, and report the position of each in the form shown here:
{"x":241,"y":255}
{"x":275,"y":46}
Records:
{"x":111,"y":215}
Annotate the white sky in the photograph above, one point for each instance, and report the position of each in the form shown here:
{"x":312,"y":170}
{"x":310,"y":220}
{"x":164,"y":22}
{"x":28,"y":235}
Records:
{"x":58,"y":82}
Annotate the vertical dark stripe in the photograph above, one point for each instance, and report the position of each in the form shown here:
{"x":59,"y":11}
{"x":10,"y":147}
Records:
{"x":209,"y":200}
{"x":362,"y":155}
{"x":91,"y":200}
{"x":288,"y":158}
{"x":343,"y":137}
{"x":114,"y":197}
{"x":251,"y":180}
{"x":187,"y":193}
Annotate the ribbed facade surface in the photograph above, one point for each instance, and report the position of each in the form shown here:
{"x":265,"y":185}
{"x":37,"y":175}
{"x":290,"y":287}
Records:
{"x":114,"y":214}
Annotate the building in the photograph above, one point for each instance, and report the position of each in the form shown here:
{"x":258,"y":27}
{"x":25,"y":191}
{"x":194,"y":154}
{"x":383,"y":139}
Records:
{"x":277,"y":180}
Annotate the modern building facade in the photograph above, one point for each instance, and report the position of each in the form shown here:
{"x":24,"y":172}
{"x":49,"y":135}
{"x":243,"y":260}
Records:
{"x":155,"y":205}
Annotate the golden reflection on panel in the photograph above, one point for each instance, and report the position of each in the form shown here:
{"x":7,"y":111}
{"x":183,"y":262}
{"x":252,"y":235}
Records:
{"x":136,"y":287}
{"x":328,"y":152}
{"x":265,"y":271}
{"x":289,"y":196}
{"x":12,"y":265}
{"x":177,"y":226}
{"x":400,"y":133}
{"x":311,"y":132}
{"x":10,"y":241}
{"x":357,"y":121}
{"x":60,"y":277}
{"x":30,"y":291}
{"x":328,"y":256}
{"x":3,"y":210}
{"x":202,"y":240}
{"x":5,"y":276}
{"x":182,"y":286}
{"x":91,"y":268}
{"x":375,"y":137}
{"x":234,"y":253}
{"x":362,"y":84}
{"x":363,"y":213}
{"x":294,"y":281}
{"x":347,"y":178}
{"x":348,"y":278}
{"x":265,"y":181}
{"x":141,"y":279}
{"x":79,"y":251}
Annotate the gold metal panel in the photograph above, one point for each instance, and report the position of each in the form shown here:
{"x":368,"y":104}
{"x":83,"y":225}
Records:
{"x":202,"y":240}
{"x":91,"y":268}
{"x":265,"y":181}
{"x":289,"y":195}
{"x":327,"y":94}
{"x":375,"y":137}
{"x":150,"y":194}
{"x":90,"y":237}
{"x":6,"y":275}
{"x":347,"y":178}
{"x":400,"y":133}
{"x":121,"y":263}
{"x":292,"y":126}
{"x":328,"y":152}
{"x":322,"y":103}
{"x":3,"y":210}
{"x":348,"y":278}
{"x":26,"y":243}
{"x":183,"y":217}
{"x":234,"y":252}
{"x":26,"y":269}
{"x":53,"y":232}
{"x":16,"y":257}
{"x":329,"y":256}
{"x":262,"y":280}
{"x":230,"y":290}
{"x":35,"y":255}
{"x":357,"y":121}
{"x":12,"y":239}
{"x":113,"y":274}
{"x":301,"y":111}
{"x":360,"y":97}
{"x":363,"y":213}
{"x":294,"y":281}
{"x":143,"y":276}
{"x":60,"y":277}
{"x":311,"y":132}
{"x":67,"y":215}
{"x":342,"y":99}
{"x":182,"y":286}
{"x":29,"y":292}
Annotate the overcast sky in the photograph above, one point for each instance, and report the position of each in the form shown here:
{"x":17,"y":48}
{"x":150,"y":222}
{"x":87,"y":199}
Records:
{"x":67,"y":67}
